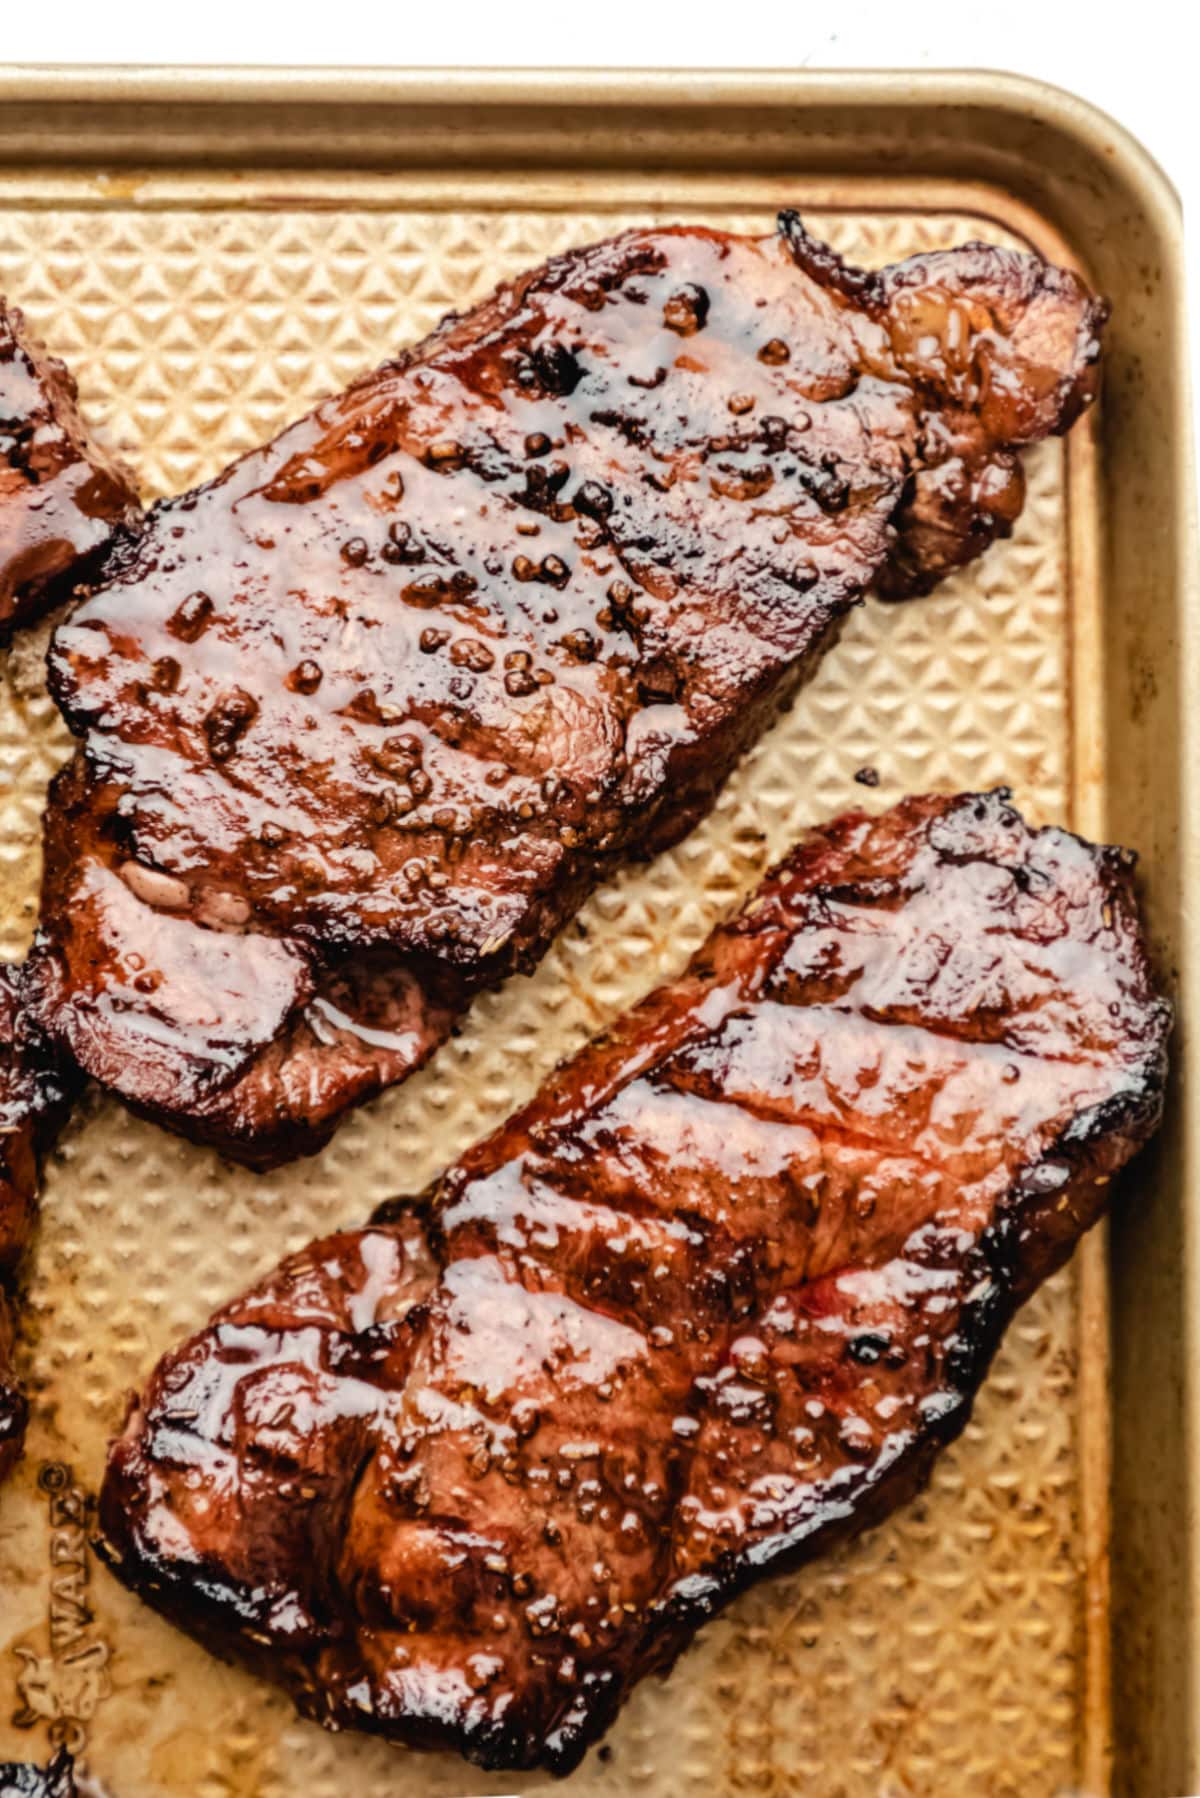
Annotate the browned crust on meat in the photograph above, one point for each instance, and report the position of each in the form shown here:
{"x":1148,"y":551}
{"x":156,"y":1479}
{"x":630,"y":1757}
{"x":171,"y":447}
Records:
{"x":62,"y":495}
{"x":397,"y":690}
{"x":35,"y":1094}
{"x":711,"y":1302}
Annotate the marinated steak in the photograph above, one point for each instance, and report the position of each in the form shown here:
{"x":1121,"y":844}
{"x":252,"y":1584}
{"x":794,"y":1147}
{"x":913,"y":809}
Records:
{"x":713,"y":1301}
{"x":61,"y":495}
{"x":35,"y":1094}
{"x":366,"y":717}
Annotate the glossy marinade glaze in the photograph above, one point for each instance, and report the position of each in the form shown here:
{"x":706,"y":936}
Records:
{"x":62,"y":497}
{"x":364,"y":719}
{"x":36,"y":1090}
{"x":710,"y":1303}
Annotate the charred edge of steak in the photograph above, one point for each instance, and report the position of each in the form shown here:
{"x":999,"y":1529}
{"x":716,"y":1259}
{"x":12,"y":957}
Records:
{"x":57,"y":591}
{"x":41,"y":443}
{"x":864,"y":287}
{"x":37,"y":1090}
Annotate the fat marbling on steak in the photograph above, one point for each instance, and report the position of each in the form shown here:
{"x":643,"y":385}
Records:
{"x":61,"y":496}
{"x":713,"y":1301}
{"x":35,"y":1096}
{"x":366,"y":717}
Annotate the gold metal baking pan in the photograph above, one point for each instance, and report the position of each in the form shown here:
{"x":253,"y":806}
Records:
{"x":213,"y":251}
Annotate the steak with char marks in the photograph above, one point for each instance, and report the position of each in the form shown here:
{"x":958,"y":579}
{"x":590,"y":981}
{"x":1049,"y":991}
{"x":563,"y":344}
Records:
{"x":709,"y":1304}
{"x":365,"y":718}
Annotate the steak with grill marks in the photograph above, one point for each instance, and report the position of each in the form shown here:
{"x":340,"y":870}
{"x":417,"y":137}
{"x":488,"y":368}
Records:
{"x":61,"y":496}
{"x":713,"y":1301}
{"x":366,"y":717}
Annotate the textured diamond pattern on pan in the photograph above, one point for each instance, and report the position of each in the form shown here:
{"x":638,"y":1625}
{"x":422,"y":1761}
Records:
{"x":948,"y":1648}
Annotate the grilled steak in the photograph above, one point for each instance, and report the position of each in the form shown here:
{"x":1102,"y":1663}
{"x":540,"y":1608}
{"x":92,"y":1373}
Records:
{"x":35,"y":1094}
{"x":366,"y":717}
{"x":61,"y":495}
{"x":711,"y":1302}
{"x":56,"y":1780}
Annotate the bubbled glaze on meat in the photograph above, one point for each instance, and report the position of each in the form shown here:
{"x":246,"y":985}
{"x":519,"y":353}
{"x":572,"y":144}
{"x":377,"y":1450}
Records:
{"x":61,"y":496}
{"x":405,"y":683}
{"x":35,"y":1093}
{"x":710,"y":1303}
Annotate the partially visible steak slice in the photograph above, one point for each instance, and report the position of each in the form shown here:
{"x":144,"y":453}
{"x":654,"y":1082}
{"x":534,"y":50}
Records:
{"x":713,"y":1301}
{"x":389,"y":696}
{"x":35,"y":1095}
{"x":61,"y":496}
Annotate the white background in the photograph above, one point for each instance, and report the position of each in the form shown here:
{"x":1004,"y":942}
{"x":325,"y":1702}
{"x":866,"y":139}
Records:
{"x":1137,"y":61}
